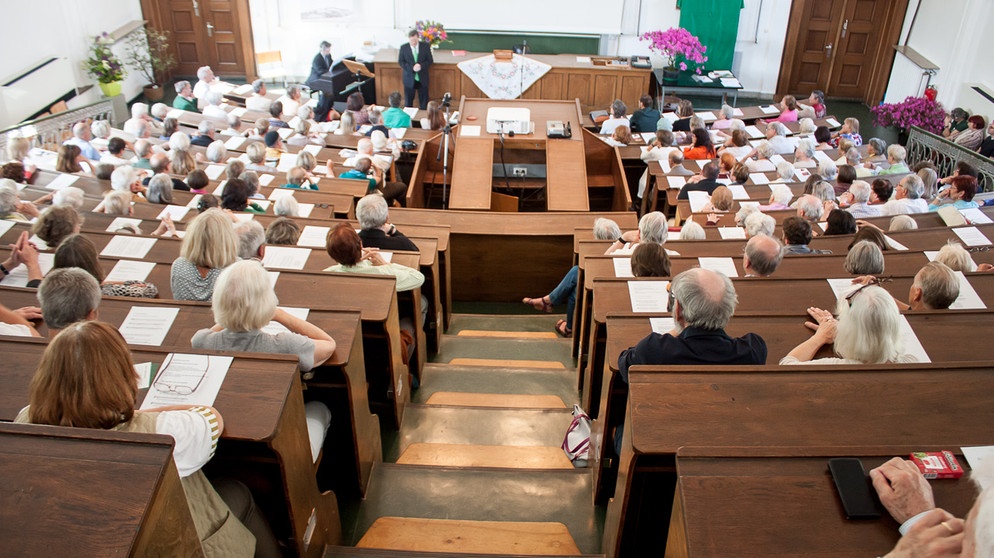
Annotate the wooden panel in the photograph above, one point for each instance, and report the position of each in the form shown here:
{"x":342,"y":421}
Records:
{"x":580,"y":86}
{"x":468,"y":89}
{"x":187,"y":35}
{"x":443,"y":80}
{"x":860,"y":44}
{"x":606,"y":90}
{"x":552,"y":85}
{"x":567,"y":176}
{"x":807,"y":61}
{"x":388,"y":79}
{"x":632,"y":88}
{"x":228,"y":57}
{"x":471,"y":174}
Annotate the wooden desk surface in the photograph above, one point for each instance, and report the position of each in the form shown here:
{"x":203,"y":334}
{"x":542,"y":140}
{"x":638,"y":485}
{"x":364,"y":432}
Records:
{"x":541,"y":111}
{"x":472,"y":173}
{"x":794,"y":485}
{"x":84,"y":492}
{"x":566,"y":188}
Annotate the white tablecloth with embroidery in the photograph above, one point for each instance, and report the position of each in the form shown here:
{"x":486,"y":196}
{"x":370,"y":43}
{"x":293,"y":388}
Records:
{"x":504,"y":80}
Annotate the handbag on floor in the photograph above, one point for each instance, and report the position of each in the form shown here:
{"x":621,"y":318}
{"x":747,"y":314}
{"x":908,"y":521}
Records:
{"x":576,"y":444}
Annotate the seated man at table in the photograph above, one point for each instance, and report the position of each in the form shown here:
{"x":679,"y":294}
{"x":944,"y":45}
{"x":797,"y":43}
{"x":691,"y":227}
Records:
{"x":707,"y":181}
{"x":936,"y":287}
{"x":797,"y":236}
{"x":930,"y":531}
{"x":205,"y":134}
{"x":395,"y":117}
{"x":258,"y":101}
{"x":702,"y":302}
{"x":377,"y":231}
{"x":251,"y":240}
{"x":675,"y":159}
{"x":68,"y":295}
{"x":184,"y":97}
{"x":160,"y":164}
{"x":646,"y":117}
{"x":762,"y":257}
{"x":618,"y":118}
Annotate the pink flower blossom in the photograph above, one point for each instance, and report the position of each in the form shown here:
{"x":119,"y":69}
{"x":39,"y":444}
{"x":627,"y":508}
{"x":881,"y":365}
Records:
{"x":677,"y":42}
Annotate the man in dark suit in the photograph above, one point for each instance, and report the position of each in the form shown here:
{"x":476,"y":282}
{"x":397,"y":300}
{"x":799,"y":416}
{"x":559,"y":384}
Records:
{"x":707,"y":182}
{"x":377,"y":231}
{"x":320,"y":66}
{"x":415,"y":60}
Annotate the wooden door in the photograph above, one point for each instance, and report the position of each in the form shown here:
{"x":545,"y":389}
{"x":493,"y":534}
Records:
{"x":812,"y":63}
{"x":841,"y":47}
{"x":215,"y":33}
{"x":859,"y":39}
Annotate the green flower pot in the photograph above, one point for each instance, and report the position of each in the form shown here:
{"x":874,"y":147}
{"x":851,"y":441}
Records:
{"x":112,"y":89}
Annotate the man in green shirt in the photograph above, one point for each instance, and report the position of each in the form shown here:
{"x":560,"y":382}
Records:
{"x":184,"y":97}
{"x":395,"y":117}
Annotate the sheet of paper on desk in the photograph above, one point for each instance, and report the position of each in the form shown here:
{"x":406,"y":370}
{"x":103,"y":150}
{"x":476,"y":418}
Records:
{"x":802,"y":174}
{"x":265,"y":178}
{"x":235,"y":142}
{"x":648,"y":296}
{"x":737,"y":112}
{"x":39,"y":243}
{"x":721,"y":265}
{"x":7,"y":225}
{"x":284,"y":257}
{"x":194,"y":201}
{"x":312,"y":149}
{"x":769,"y":109}
{"x":322,"y":169}
{"x":411,"y":111}
{"x":622,"y":267}
{"x":238,"y":111}
{"x":278,"y":193}
{"x":707,"y":115}
{"x":671,"y":116}
{"x":242,"y":89}
{"x":738,"y":192}
{"x":148,"y":325}
{"x":273,"y":277}
{"x":676,"y":182}
{"x":175,"y":113}
{"x":842,"y":286}
{"x":204,"y":374}
{"x":123,"y":246}
{"x":698,"y":200}
{"x":968,"y":298}
{"x":61,"y":181}
{"x":702,"y":79}
{"x":732,"y":233}
{"x":275,"y":327}
{"x":758,"y":178}
{"x":176,"y":212}
{"x":144,"y":371}
{"x":971,"y":236}
{"x":975,"y":216}
{"x":662,"y":325}
{"x":243,"y":217}
{"x":117,"y":224}
{"x":975,"y":455}
{"x":723,"y":181}
{"x":130,"y":270}
{"x":833,"y":123}
{"x":912,"y":345}
{"x":304,"y":210}
{"x":894,"y":244}
{"x":284,"y":132}
{"x":823,"y":225}
{"x":214,"y":172}
{"x":749,"y":204}
{"x":730,"y":82}
{"x":469,"y":131}
{"x":776,"y":159}
{"x":312,"y":237}
{"x":583,"y":60}
{"x":287,"y":161}
{"x":822,"y":156}
{"x":648,"y":137}
{"x":293,"y":122}
{"x":19,"y":276}
{"x":753,"y":132}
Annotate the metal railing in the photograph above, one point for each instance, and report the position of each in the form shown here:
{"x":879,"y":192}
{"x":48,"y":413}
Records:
{"x":50,"y":131}
{"x":944,"y":154}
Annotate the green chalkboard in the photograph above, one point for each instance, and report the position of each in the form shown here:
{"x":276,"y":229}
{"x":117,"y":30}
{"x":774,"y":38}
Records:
{"x":537,"y":44}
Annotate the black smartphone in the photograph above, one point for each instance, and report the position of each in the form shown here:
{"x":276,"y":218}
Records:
{"x":855,"y":488}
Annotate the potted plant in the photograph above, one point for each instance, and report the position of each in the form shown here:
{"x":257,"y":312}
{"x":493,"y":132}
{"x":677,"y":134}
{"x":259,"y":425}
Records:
{"x":432,"y":32}
{"x":103,"y":65}
{"x":923,"y":112}
{"x":147,"y":51}
{"x":679,"y":47}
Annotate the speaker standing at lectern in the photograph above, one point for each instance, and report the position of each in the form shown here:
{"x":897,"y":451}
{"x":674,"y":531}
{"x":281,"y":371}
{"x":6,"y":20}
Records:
{"x":319,"y":67}
{"x":415,"y":60}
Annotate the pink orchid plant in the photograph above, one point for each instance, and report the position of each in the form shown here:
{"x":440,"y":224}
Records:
{"x":678,"y":46}
{"x":912,"y":111}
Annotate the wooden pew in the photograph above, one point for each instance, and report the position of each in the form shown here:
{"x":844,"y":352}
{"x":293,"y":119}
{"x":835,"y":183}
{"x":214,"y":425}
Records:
{"x":91,"y":492}
{"x":264,"y":443}
{"x":793,"y":484}
{"x":820,"y":406}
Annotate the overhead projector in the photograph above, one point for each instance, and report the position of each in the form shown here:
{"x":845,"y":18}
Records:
{"x":509,"y":120}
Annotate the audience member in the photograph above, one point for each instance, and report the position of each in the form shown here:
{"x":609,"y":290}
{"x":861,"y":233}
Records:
{"x":864,"y":258}
{"x":283,"y":232}
{"x":650,"y":260}
{"x":840,"y":222}
{"x":377,"y":231}
{"x":209,"y":246}
{"x":762,"y":256}
{"x":67,"y":296}
{"x":78,"y":251}
{"x":797,"y":236}
{"x":251,"y":240}
{"x":618,"y":112}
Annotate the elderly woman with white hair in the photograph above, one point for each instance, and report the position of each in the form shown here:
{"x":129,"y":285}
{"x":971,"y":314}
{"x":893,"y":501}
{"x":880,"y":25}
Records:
{"x":286,"y":206}
{"x":12,"y":208}
{"x":160,"y":189}
{"x":213,"y":108}
{"x":692,"y":230}
{"x":652,"y":229}
{"x":804,"y":155}
{"x":896,"y":155}
{"x":864,"y":258}
{"x":725,"y":116}
{"x":244,"y":305}
{"x":828,"y":169}
{"x":956,"y":257}
{"x":786,"y":172}
{"x":868,"y":331}
{"x":763,"y":151}
{"x":758,"y":223}
{"x":779,"y":198}
{"x":216,"y":152}
{"x":806,"y":127}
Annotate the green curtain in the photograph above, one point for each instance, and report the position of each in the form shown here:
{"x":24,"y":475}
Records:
{"x":716,"y":24}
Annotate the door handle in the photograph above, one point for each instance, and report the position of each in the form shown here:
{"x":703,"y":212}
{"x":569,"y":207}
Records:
{"x":210,"y":30}
{"x":828,"y":50}
{"x":845,"y":28}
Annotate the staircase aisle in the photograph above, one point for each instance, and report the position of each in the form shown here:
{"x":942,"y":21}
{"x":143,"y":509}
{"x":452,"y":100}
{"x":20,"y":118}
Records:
{"x":477,"y":466}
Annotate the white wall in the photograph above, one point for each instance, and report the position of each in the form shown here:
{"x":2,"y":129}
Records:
{"x":40,"y":29}
{"x":951,"y":34}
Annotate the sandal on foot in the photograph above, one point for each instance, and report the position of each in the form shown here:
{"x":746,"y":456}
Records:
{"x":563,"y":329}
{"x":540,"y":304}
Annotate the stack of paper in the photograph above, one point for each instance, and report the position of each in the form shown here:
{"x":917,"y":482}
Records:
{"x":731,"y":83}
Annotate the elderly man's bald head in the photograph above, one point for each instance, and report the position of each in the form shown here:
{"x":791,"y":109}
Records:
{"x":159,"y":163}
{"x":936,"y":287}
{"x":704,"y":299}
{"x":763,"y":255}
{"x":365,"y":146}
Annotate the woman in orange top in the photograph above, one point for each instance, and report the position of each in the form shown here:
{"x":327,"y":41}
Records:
{"x":701,"y":148}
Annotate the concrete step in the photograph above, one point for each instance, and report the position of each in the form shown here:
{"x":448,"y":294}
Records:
{"x":468,"y":455}
{"x":438,"y":377}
